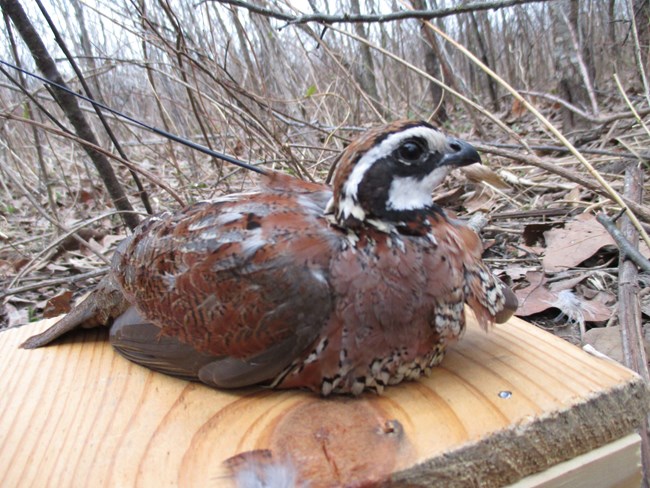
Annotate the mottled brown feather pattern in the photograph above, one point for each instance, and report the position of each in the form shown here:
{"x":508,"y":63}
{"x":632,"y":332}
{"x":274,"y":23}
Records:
{"x":193,"y":275}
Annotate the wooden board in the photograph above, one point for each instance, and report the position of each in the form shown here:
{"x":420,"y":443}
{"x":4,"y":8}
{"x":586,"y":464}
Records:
{"x":615,"y":465}
{"x":502,"y":406}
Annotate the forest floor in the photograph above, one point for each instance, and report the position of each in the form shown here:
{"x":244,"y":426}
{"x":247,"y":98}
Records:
{"x":543,"y":238}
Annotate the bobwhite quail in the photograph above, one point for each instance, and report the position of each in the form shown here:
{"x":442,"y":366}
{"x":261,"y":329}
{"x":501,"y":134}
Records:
{"x":297,"y":285}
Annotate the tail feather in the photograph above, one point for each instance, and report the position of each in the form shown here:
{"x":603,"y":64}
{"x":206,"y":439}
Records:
{"x":105,"y":303}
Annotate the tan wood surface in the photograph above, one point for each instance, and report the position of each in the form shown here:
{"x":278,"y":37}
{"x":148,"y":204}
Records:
{"x":78,"y":414}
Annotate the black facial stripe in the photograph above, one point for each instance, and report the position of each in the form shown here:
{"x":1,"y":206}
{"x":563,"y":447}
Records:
{"x":374,"y":188}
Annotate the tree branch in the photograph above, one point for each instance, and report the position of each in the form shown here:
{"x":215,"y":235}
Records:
{"x":626,"y":248}
{"x":357,"y":18}
{"x":70,"y":107}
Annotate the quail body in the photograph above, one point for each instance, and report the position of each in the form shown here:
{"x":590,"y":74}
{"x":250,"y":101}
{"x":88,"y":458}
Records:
{"x":297,"y":285}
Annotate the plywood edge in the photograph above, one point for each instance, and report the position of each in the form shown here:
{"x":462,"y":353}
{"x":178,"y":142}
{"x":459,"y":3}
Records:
{"x":616,"y":464}
{"x":529,"y":448}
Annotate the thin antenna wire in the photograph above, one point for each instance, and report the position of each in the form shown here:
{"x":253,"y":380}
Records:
{"x":155,"y":130}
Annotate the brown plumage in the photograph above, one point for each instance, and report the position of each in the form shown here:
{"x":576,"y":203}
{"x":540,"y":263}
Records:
{"x":300,"y":286}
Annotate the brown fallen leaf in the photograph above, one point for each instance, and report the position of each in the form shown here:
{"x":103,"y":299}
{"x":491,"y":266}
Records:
{"x":517,"y":110}
{"x":579,"y":240}
{"x":479,"y":201}
{"x":517,"y":272}
{"x":58,"y":305}
{"x":538,"y":297}
{"x":607,"y":340}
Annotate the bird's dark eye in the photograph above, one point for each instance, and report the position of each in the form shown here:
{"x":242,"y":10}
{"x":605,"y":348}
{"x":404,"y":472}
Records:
{"x":410,"y":151}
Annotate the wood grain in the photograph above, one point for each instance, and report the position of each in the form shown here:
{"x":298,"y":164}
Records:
{"x":501,"y":406}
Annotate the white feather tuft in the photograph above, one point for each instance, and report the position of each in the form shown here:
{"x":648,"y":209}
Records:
{"x":271,"y":475}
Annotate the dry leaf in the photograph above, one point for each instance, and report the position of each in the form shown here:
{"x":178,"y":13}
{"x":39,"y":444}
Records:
{"x":479,"y":200}
{"x":645,"y":305}
{"x":479,"y":173}
{"x":517,"y":109}
{"x":607,"y":340}
{"x":579,"y":240}
{"x":110,"y":239}
{"x":517,"y":272}
{"x":537,"y":297}
{"x":449,"y":198}
{"x":14,"y":317}
{"x":58,"y":305}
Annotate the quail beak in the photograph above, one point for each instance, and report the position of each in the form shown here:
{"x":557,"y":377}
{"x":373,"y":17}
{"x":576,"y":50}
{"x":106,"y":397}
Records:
{"x":459,"y":153}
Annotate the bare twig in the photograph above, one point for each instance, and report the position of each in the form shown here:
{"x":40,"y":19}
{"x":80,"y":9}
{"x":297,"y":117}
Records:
{"x":625,"y":246}
{"x":107,"y":153}
{"x":629,"y":104}
{"x":352,"y":18}
{"x":613,"y":194}
{"x":642,"y":210}
{"x":54,"y":282}
{"x":70,"y":107}
{"x":581,"y":63}
{"x":144,"y":197}
{"x":563,"y":149}
{"x":600,"y":119}
{"x":638,"y":57}
{"x":16,"y":181}
{"x":446,"y":87}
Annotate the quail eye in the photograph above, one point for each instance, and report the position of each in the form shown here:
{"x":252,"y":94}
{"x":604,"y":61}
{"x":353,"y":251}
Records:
{"x":410,"y":151}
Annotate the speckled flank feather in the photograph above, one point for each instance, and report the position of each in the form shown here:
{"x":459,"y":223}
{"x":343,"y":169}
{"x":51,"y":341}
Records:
{"x":296,"y":285}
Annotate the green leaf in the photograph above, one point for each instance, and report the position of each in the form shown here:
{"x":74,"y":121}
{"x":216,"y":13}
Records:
{"x":310,"y":91}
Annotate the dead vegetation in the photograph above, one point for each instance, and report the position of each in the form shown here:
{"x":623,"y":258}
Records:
{"x":555,"y":94}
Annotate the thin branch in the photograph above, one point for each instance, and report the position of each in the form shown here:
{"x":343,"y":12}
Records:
{"x":642,"y":210}
{"x":357,"y":18}
{"x":563,"y":149}
{"x":99,"y":149}
{"x":70,"y":107}
{"x":54,"y":281}
{"x":612,"y":194}
{"x":629,"y":306}
{"x":581,"y":63}
{"x":637,"y":52}
{"x":623,"y":244}
{"x":601,"y":119}
{"x":144,"y":197}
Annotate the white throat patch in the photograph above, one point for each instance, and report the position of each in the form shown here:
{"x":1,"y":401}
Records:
{"x":410,"y":193}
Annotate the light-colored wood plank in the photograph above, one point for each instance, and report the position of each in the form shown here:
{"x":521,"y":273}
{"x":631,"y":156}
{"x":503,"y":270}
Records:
{"x":615,"y":465}
{"x":78,"y":414}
